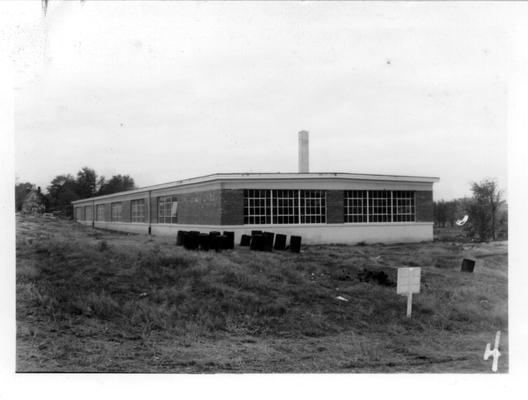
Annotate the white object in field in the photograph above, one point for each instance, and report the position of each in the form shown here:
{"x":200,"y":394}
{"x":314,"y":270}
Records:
{"x":341,"y":298}
{"x":461,"y":222}
{"x":408,"y":283}
{"x":408,"y":280}
{"x":495,"y":353}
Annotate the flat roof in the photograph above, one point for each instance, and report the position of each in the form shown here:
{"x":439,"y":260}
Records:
{"x":270,"y":175}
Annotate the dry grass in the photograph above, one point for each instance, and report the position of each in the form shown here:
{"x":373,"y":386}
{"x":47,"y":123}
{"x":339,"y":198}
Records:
{"x":100,"y":301}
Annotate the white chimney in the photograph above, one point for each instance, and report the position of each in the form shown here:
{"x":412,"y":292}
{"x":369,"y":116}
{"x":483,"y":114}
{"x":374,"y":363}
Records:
{"x":303,"y":152}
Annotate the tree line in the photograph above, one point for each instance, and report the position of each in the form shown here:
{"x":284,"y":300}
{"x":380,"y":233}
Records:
{"x":66,"y":188}
{"x":487,"y":212}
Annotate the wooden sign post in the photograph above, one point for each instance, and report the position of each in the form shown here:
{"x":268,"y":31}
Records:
{"x":408,"y":283}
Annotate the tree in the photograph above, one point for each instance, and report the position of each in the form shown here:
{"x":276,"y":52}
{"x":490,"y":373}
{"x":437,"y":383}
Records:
{"x":483,"y":209}
{"x":446,"y":212}
{"x":61,"y":192}
{"x":451,"y":211}
{"x":118,"y":183}
{"x":65,"y":188}
{"x":21,"y":190}
{"x":439,"y":213}
{"x":86,"y":182}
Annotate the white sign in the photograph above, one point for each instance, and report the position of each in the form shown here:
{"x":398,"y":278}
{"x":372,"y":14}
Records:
{"x":408,"y":280}
{"x":408,"y":283}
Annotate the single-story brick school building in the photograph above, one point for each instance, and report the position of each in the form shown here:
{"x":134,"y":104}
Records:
{"x":321,"y":207}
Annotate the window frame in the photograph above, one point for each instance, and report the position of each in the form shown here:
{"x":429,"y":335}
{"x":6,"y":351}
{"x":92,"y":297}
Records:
{"x":382,"y":206}
{"x":285,"y":207}
{"x":356,"y":206}
{"x":137,"y":214}
{"x":163,"y":207}
{"x":97,"y":216}
{"x":86,"y":209}
{"x":114,"y":206}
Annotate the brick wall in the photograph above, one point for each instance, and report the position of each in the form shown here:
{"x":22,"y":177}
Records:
{"x":335,"y":212}
{"x":203,"y":208}
{"x":232,"y":207}
{"x":200,"y":208}
{"x":424,"y":206}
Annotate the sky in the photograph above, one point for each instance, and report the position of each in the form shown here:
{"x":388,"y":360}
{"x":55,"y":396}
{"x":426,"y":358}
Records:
{"x":164,"y":91}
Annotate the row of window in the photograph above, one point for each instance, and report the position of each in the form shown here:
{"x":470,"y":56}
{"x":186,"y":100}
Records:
{"x":266,"y":206}
{"x":284,"y":206}
{"x":309,"y":206}
{"x":167,"y":211}
{"x":379,"y":206}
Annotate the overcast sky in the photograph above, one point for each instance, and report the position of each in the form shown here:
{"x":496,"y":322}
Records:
{"x":164,"y":91}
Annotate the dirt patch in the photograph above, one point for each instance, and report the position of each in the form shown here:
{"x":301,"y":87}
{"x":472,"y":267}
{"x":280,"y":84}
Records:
{"x":377,"y":277}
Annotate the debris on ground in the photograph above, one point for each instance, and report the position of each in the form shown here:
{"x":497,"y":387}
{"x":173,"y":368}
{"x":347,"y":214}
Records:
{"x":379,"y":277}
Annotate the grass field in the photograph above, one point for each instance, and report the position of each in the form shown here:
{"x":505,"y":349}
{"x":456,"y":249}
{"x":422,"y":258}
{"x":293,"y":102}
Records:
{"x":94,"y":301}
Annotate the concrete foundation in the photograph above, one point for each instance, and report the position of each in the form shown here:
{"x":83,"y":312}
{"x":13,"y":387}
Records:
{"x":311,"y":234}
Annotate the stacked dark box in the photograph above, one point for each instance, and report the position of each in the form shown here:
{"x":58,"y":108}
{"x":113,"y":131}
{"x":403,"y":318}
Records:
{"x":190,"y":240}
{"x":268,"y":241}
{"x":467,"y":265}
{"x":179,"y":238}
{"x":205,"y":241}
{"x":280,"y":242}
{"x":257,"y":242}
{"x":255,"y":232}
{"x":230,"y":239}
{"x":295,"y":244}
{"x":245,"y":240}
{"x":219,"y":242}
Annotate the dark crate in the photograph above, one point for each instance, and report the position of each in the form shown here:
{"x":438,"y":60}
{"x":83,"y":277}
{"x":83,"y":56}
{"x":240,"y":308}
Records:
{"x":467,"y":265}
{"x":205,"y":241}
{"x":245,"y":240}
{"x":280,"y":242}
{"x":179,"y":238}
{"x":230,"y":239}
{"x":268,"y":241}
{"x":257,"y":242}
{"x":190,"y":241}
{"x":295,"y":244}
{"x":219,"y":243}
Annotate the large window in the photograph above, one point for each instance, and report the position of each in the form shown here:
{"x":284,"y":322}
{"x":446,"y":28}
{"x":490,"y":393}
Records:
{"x":88,"y":213}
{"x":115,"y":212}
{"x":379,"y":206}
{"x":403,"y":206}
{"x":78,"y":213}
{"x":137,"y":210}
{"x":313,"y":206}
{"x":100,"y":212}
{"x":356,"y":206}
{"x":167,"y":210}
{"x":257,"y":206}
{"x":284,"y":206}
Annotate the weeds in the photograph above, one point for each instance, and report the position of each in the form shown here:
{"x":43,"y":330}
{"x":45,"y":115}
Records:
{"x":104,"y":280}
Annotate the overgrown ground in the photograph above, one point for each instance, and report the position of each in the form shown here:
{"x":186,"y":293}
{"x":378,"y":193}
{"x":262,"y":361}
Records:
{"x":94,"y":301}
